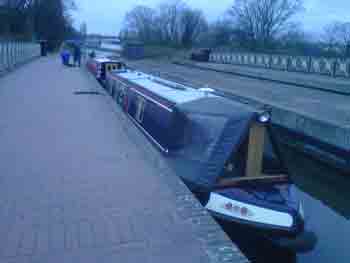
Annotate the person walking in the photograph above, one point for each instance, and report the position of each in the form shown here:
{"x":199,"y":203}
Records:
{"x":77,"y":55}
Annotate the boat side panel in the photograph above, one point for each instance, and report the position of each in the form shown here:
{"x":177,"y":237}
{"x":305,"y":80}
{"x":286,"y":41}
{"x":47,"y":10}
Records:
{"x":159,"y":122}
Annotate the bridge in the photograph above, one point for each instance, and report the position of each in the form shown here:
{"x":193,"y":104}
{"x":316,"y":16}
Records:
{"x":78,"y":183}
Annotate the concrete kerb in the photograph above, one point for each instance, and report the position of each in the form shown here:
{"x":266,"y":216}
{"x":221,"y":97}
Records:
{"x":328,"y":133}
{"x":305,"y":125}
{"x":301,"y":122}
{"x":216,"y":244}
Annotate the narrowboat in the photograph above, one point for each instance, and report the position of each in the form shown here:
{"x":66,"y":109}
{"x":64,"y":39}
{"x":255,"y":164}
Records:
{"x":201,"y":55}
{"x":224,"y":151}
{"x":98,"y":66}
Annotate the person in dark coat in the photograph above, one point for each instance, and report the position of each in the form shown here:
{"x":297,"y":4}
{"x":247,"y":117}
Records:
{"x":77,"y":55}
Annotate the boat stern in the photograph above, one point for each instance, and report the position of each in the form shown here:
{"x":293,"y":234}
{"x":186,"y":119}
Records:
{"x":262,"y":217}
{"x":273,"y":211}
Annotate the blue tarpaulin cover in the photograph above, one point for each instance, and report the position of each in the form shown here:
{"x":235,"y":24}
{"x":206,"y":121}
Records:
{"x":215,"y":130}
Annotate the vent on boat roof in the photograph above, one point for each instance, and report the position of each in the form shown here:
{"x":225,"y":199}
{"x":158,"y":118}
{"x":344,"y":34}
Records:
{"x":87,"y":92}
{"x":170,"y":85}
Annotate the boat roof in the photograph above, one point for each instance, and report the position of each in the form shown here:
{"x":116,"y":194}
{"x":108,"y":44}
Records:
{"x":104,"y":60}
{"x":171,"y":91}
{"x":216,"y":128}
{"x":132,"y":75}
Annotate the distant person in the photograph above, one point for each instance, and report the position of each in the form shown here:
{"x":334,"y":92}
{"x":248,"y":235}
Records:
{"x":77,"y":55}
{"x":92,"y":54}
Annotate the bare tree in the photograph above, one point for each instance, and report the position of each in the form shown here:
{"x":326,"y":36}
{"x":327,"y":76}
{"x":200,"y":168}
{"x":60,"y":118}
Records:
{"x":337,"y":36}
{"x":49,"y":19}
{"x":168,"y":21}
{"x":140,"y":21}
{"x":193,"y":24}
{"x":174,"y":24}
{"x":294,"y":35}
{"x":262,"y":21}
{"x":329,"y":37}
{"x":14,"y":15}
{"x":220,"y":33}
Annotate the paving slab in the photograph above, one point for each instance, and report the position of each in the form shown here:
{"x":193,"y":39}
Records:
{"x":79,"y":183}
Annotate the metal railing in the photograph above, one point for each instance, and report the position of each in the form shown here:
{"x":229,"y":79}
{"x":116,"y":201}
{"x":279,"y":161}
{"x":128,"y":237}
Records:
{"x":333,"y":67}
{"x":14,"y":53}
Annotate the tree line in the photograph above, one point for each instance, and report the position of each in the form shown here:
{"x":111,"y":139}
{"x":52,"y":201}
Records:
{"x":172,"y":24}
{"x":254,"y":25}
{"x":38,"y":19}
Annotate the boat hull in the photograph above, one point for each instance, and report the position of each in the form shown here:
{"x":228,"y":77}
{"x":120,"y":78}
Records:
{"x":282,"y":225}
{"x":258,"y":216}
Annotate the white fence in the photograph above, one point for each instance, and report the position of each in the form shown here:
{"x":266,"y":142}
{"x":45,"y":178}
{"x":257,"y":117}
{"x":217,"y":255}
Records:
{"x":324,"y":66}
{"x":14,"y":53}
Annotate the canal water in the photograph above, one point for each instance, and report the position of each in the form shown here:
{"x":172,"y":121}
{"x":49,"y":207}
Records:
{"x":325,"y":195}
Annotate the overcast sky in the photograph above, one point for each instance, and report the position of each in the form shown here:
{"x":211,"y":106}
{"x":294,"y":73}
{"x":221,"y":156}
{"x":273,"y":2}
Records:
{"x":106,"y":16}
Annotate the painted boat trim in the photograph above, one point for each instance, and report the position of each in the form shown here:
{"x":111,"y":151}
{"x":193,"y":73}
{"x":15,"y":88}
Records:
{"x":231,"y":208}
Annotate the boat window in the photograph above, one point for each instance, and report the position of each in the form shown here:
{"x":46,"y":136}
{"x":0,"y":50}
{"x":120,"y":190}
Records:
{"x":122,"y":86}
{"x":119,"y":84}
{"x":141,"y":104}
{"x":121,"y":91}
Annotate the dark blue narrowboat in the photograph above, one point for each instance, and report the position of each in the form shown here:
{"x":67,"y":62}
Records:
{"x":224,"y":151}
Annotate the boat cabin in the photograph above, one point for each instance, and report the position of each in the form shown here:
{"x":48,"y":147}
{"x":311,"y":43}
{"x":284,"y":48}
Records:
{"x":99,"y":66}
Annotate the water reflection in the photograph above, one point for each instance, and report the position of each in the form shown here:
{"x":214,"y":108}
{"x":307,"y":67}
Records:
{"x":254,"y":246}
{"x":320,"y":181}
{"x":325,"y":195}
